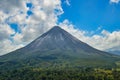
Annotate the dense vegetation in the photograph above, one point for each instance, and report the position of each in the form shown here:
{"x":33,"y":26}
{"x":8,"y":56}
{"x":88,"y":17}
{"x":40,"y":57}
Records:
{"x":60,"y":74}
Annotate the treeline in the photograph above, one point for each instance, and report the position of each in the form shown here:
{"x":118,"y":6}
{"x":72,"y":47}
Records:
{"x":60,"y":74}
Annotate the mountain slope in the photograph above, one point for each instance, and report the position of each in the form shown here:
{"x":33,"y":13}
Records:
{"x":57,"y":47}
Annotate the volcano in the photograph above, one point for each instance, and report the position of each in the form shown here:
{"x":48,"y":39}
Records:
{"x":57,"y":47}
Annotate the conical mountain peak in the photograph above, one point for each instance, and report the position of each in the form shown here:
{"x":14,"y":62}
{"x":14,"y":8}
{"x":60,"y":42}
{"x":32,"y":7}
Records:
{"x":56,"y":47}
{"x":53,"y":39}
{"x":55,"y":29}
{"x":58,"y":38}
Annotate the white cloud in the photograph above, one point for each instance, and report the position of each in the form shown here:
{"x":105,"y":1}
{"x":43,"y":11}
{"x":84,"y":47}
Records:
{"x":69,"y":27}
{"x":104,"y":41}
{"x":45,"y":16}
{"x":5,"y":31}
{"x":114,"y":1}
{"x":67,"y":2}
{"x":12,"y":6}
{"x":7,"y":46}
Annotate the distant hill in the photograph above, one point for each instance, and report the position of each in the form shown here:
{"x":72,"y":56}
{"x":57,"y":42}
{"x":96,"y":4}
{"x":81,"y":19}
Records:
{"x":116,"y":52}
{"x":57,"y":48}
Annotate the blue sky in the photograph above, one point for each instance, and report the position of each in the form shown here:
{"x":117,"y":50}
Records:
{"x":91,"y":14}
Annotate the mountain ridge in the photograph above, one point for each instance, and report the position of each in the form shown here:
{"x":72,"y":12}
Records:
{"x":58,"y":47}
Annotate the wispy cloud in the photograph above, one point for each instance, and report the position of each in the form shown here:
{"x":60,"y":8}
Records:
{"x":67,"y":2}
{"x":114,"y":1}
